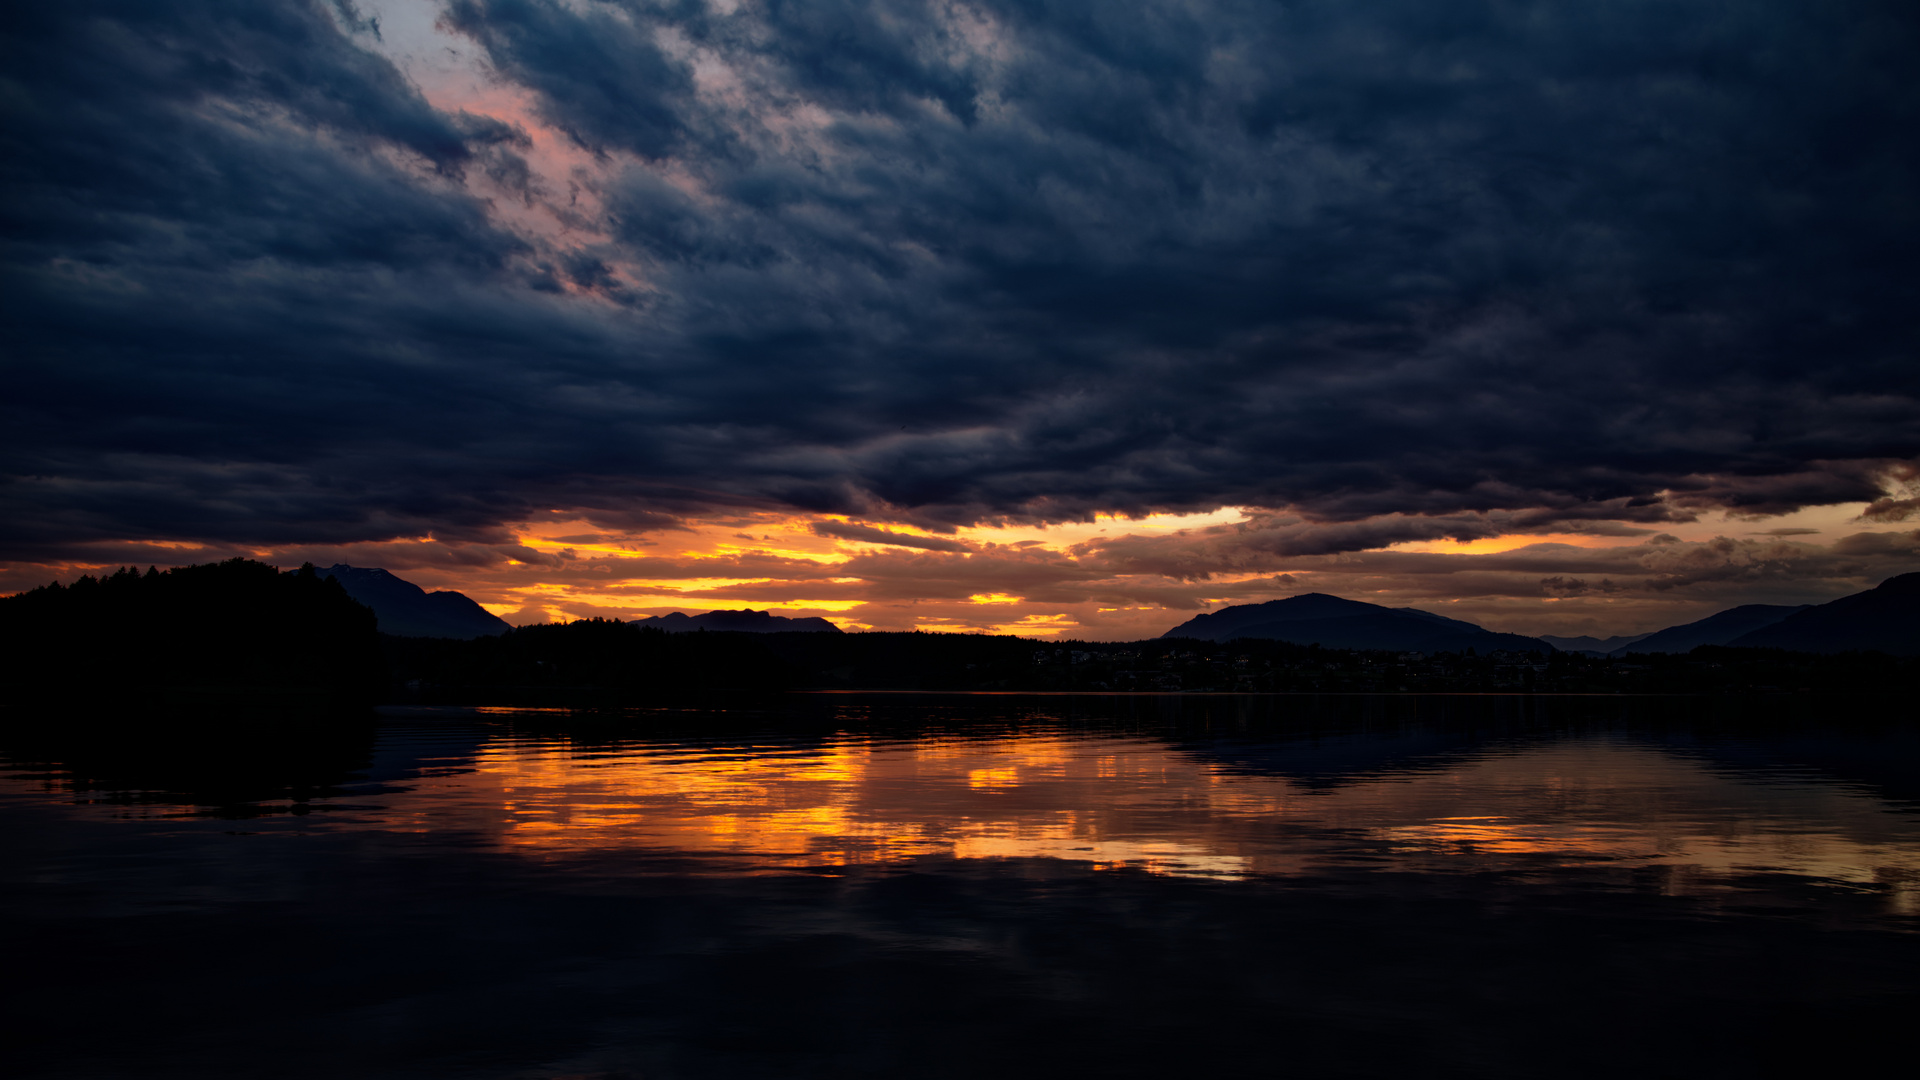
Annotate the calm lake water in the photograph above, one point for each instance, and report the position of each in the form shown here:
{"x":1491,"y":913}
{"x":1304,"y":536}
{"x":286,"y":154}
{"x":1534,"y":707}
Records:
{"x":909,"y":886}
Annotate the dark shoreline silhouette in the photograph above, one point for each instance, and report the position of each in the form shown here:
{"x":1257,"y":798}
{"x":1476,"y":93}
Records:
{"x":246,"y":642}
{"x":237,"y":638}
{"x":592,"y":662}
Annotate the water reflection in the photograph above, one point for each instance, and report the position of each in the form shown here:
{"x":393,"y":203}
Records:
{"x":141,"y":768}
{"x":511,"y":897}
{"x":1227,"y":807}
{"x":1135,"y":802}
{"x":1107,"y":801}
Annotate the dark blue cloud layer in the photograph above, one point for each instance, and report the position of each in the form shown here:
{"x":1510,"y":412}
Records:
{"x":932,"y":262}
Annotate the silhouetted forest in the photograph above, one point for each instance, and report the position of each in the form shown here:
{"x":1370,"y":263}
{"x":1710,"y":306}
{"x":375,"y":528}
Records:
{"x":243,"y":637}
{"x":232,"y":635}
{"x":601,"y":660}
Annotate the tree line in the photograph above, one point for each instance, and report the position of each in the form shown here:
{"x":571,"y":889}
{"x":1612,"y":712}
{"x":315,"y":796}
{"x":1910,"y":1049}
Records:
{"x":242,"y":636}
{"x":237,"y":633}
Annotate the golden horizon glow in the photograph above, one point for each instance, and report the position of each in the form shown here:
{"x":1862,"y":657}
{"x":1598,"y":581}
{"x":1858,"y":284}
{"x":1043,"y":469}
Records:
{"x":791,"y":538}
{"x":1494,"y":545}
{"x":1111,"y":578}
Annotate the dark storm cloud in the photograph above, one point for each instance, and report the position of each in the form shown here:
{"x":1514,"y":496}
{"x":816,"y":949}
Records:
{"x":603,"y":79}
{"x":1442,"y":266}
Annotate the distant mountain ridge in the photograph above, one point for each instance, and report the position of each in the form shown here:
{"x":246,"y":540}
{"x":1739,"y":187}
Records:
{"x":1587,"y":643}
{"x":1722,"y":628}
{"x":742,"y":621}
{"x":1885,"y":619}
{"x":1337,"y":623}
{"x":407,"y":610}
{"x":1882,"y":619}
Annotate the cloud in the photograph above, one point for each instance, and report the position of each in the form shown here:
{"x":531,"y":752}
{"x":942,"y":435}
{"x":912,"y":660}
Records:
{"x":1266,"y":540}
{"x":867,"y":534}
{"x":1387,"y":272}
{"x":1578,"y":586}
{"x":1896,"y":544}
{"x":1890,"y":509}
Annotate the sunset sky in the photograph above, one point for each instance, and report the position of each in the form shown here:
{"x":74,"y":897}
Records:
{"x":1057,"y":319}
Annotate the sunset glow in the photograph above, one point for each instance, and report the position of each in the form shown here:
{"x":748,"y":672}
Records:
{"x":898,"y":538}
{"x":614,"y":310}
{"x":1111,"y":578}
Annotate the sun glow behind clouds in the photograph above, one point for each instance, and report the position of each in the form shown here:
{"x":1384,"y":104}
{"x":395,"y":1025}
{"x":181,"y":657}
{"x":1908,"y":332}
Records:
{"x":1111,"y":578}
{"x":1061,"y":536}
{"x":615,"y":574}
{"x":1116,"y":578}
{"x":1493,"y":545}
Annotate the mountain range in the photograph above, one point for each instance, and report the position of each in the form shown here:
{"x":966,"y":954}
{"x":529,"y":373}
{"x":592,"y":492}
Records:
{"x":1884,"y":619}
{"x":407,"y":610}
{"x":1335,"y":623}
{"x":1587,"y":643}
{"x":1723,"y":628}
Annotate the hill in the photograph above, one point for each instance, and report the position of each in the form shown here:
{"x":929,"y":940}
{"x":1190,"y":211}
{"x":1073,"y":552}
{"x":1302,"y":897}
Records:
{"x":231,"y":637}
{"x":1590,"y":644}
{"x":1337,"y":623}
{"x":742,"y":621}
{"x":407,"y":610}
{"x":1883,"y":619}
{"x":1720,"y":629}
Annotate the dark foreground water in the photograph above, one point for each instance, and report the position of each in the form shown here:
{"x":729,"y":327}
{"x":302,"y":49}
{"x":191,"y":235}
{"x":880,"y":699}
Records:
{"x":994,"y":886}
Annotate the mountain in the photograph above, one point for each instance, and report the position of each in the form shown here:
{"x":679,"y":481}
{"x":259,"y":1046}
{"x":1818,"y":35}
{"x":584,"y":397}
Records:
{"x":1230,"y":622}
{"x":407,"y":610}
{"x":752,"y":622}
{"x":1589,"y":644}
{"x":1336,"y":623}
{"x":1885,"y":619}
{"x":1720,"y":629}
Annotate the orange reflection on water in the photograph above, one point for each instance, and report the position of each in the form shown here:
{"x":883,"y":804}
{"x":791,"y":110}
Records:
{"x":1498,"y":835}
{"x":849,"y":803}
{"x":1111,"y":802}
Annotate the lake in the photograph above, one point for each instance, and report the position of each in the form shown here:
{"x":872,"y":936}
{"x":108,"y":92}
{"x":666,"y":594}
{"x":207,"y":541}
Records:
{"x":896,"y":885}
